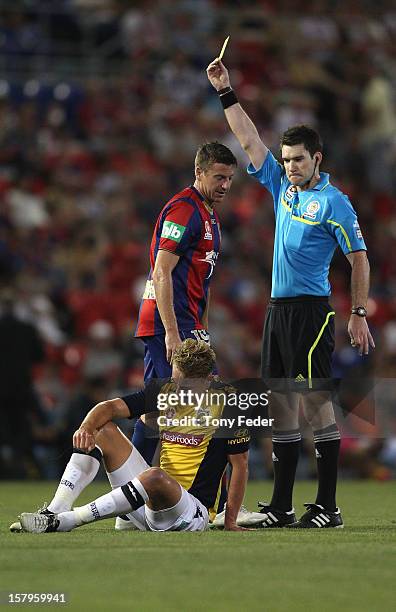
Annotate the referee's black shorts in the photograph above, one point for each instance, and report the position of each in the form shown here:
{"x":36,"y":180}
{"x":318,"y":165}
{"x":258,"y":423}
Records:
{"x":298,"y":342}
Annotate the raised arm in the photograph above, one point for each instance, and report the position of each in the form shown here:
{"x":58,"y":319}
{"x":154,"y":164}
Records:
{"x":239,"y":122}
{"x":163,"y":286}
{"x":360,"y":281}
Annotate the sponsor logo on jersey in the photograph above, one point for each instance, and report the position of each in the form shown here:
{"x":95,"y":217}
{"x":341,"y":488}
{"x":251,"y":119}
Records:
{"x":241,"y":433}
{"x":312,"y":210}
{"x":149,"y":291}
{"x":290,"y":192}
{"x":210,"y":258}
{"x":201,"y":334}
{"x":185,"y":439}
{"x":313,"y":207}
{"x":202,"y":415}
{"x":173,"y":231}
{"x":358,"y":231}
{"x":170,"y":412}
{"x":239,"y":440}
{"x":208,"y":231}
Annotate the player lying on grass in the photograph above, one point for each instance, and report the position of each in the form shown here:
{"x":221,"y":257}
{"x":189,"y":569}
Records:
{"x":181,"y":493}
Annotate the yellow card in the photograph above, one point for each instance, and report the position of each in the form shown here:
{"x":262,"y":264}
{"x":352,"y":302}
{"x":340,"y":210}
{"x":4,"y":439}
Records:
{"x":223,"y":48}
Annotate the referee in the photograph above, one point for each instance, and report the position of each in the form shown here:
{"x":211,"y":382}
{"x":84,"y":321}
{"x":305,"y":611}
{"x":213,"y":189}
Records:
{"x":312,"y":218}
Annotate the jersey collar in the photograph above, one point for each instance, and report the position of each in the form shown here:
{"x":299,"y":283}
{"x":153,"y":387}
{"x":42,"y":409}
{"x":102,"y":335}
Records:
{"x":201,"y":197}
{"x":199,"y":194}
{"x":324,"y":181}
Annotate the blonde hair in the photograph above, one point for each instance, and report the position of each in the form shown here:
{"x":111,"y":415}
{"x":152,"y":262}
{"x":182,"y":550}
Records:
{"x":194,"y":358}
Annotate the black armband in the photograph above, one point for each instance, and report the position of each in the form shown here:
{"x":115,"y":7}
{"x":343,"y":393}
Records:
{"x":221,"y":92}
{"x":227,"y":97}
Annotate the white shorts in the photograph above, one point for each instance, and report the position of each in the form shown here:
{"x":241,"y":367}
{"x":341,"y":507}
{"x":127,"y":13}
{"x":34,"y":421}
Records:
{"x":189,"y":514}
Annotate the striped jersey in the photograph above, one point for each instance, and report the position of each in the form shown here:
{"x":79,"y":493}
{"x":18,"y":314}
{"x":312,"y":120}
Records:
{"x":187,"y":228}
{"x":309,"y":225}
{"x":195,"y":443}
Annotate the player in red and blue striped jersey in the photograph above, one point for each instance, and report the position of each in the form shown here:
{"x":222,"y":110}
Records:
{"x":184,"y":250}
{"x":188,"y":229}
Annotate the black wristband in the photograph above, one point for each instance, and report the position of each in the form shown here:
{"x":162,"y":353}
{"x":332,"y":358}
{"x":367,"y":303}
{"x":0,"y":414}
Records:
{"x":223,"y":91}
{"x":228,"y":98}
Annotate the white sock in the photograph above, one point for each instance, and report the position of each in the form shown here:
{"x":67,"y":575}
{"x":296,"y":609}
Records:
{"x":132,"y":467}
{"x":79,"y":472}
{"x":106,"y":506}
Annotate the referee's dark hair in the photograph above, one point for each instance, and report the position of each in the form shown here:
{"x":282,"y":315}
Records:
{"x":302,"y":134}
{"x":212,"y":153}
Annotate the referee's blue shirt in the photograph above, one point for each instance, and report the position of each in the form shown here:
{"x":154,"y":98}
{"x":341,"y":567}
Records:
{"x":308,"y":227}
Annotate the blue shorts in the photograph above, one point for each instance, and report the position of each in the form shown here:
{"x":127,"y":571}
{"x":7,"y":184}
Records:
{"x":155,"y":362}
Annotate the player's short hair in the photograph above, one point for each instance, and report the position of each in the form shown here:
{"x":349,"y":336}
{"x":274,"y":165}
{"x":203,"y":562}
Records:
{"x":195,"y":358}
{"x":302,"y":134}
{"x":214,"y":153}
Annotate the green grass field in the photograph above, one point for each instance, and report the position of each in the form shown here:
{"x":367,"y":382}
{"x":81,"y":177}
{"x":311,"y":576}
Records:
{"x":353,"y":569}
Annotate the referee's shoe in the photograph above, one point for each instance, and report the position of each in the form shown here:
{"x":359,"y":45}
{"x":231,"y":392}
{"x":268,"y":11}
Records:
{"x":276,"y":518}
{"x":317,"y":517}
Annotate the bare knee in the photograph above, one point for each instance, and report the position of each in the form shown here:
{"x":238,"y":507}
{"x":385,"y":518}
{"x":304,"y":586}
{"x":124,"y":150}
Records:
{"x":319,"y":411}
{"x":107,"y":435}
{"x":284,"y":411}
{"x":108,"y":430}
{"x":154,"y":479}
{"x":162,"y":490}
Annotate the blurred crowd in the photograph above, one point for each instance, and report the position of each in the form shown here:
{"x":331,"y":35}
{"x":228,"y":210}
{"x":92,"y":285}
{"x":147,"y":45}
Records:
{"x":102,"y":106}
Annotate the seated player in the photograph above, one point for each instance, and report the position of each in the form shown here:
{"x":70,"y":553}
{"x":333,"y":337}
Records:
{"x":181,"y":493}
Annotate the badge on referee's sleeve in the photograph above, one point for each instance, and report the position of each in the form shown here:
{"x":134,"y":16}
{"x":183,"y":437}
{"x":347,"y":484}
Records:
{"x":358,"y":231}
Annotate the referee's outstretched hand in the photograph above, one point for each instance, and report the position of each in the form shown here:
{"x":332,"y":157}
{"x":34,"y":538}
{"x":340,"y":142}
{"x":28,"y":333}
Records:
{"x":360,"y":335}
{"x":218,"y":75}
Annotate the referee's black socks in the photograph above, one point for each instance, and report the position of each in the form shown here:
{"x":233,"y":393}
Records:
{"x":286,"y":450}
{"x":327,"y":448}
